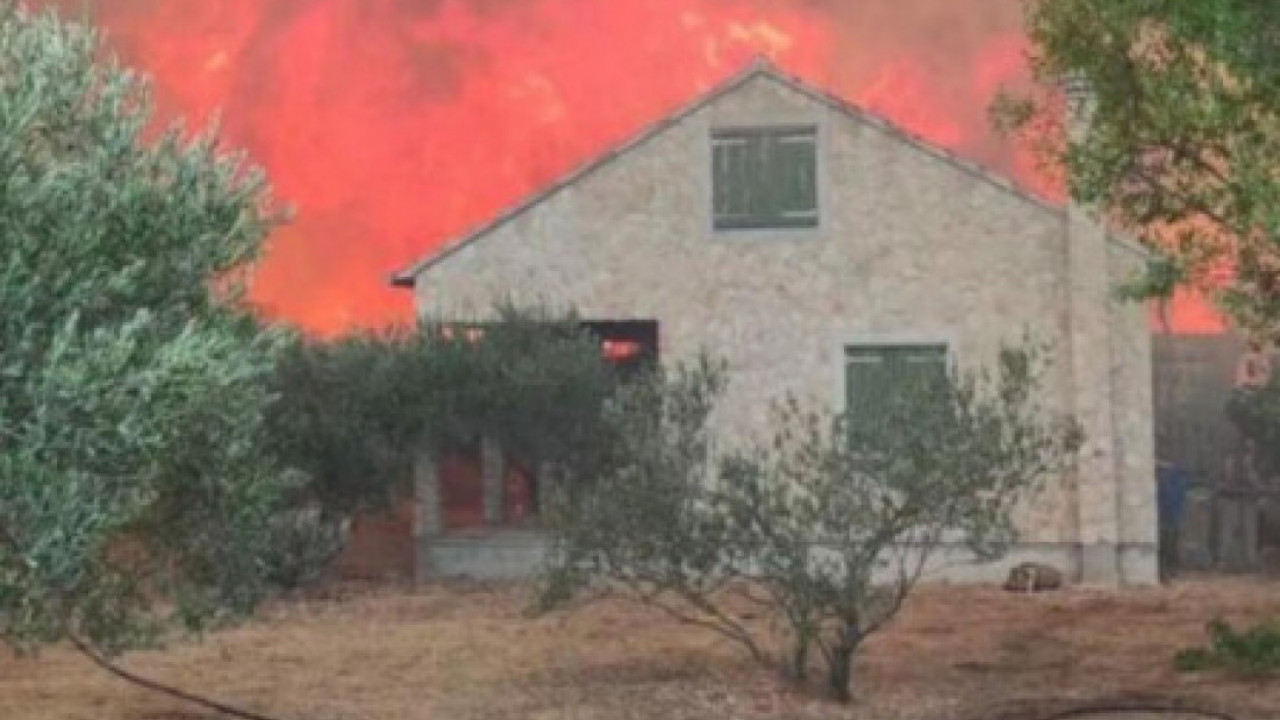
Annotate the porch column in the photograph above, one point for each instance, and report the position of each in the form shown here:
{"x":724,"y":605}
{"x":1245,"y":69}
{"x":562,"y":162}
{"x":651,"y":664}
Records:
{"x":546,"y":487}
{"x":428,"y":516}
{"x":492,"y":470}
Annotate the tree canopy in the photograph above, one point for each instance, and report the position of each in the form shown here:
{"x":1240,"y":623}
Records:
{"x":825,"y":525}
{"x":1183,"y":150}
{"x":133,"y":384}
{"x":354,"y":413}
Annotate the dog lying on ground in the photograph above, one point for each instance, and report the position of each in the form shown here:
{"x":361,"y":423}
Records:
{"x":1033,"y":577}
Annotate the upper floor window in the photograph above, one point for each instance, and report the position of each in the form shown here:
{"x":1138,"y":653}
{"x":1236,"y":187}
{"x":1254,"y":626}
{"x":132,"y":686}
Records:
{"x":765,"y":177}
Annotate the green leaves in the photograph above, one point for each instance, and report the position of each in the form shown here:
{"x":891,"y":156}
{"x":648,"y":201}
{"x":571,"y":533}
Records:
{"x":131,"y":458}
{"x":644,"y":516}
{"x":354,"y":413}
{"x":826,"y":525}
{"x":1183,"y":147}
{"x":1252,"y":651}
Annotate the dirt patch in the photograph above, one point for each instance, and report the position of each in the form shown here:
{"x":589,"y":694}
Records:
{"x":468,"y":652}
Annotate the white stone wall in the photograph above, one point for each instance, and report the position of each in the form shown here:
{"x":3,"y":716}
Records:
{"x":910,"y":247}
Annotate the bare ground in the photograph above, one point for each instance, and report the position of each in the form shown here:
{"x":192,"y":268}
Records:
{"x":468,"y":652}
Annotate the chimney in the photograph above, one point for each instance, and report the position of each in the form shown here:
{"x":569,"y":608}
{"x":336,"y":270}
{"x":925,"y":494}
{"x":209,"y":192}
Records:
{"x":1079,"y":95}
{"x":1089,"y":287}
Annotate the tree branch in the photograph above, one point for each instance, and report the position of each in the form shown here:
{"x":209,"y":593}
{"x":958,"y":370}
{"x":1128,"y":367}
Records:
{"x":161,"y":688}
{"x":1190,"y":203}
{"x":722,"y":625}
{"x":743,"y":590}
{"x":1094,"y":708}
{"x":906,"y":581}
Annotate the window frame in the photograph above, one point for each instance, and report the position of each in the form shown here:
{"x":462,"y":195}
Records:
{"x":847,"y":348}
{"x":776,"y":133}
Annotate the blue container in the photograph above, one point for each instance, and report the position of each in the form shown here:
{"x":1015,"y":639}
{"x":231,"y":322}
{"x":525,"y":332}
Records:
{"x":1172,"y":485}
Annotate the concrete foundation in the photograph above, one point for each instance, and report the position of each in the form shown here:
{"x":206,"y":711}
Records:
{"x":502,"y":555}
{"x":521,"y":554}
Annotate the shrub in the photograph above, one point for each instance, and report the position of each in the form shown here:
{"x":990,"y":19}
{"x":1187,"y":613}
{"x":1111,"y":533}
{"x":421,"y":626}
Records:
{"x":1255,"y":650}
{"x":826,"y":527}
{"x":353,"y":413}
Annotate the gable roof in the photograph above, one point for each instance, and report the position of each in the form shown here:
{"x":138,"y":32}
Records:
{"x":760,"y":67}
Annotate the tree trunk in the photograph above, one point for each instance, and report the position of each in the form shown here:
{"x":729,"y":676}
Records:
{"x":800,"y":659}
{"x":840,"y":672}
{"x":840,"y":662}
{"x":161,"y":688}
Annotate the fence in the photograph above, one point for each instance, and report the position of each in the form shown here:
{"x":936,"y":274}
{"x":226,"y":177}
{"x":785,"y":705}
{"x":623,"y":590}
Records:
{"x":1231,"y":519}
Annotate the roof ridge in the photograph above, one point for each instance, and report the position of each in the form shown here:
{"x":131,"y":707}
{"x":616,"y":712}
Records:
{"x":762,"y":61}
{"x":895,"y":130}
{"x":760,"y":65}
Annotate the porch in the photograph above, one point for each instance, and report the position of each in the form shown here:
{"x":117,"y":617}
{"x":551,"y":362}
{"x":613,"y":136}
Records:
{"x":477,"y":510}
{"x":477,"y":513}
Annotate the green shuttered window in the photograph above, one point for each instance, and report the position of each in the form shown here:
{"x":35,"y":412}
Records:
{"x":874,"y":373}
{"x":765,"y":178}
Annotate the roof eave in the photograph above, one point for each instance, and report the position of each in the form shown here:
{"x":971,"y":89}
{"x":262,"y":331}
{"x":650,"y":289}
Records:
{"x":761,"y":66}
{"x":407,"y":277}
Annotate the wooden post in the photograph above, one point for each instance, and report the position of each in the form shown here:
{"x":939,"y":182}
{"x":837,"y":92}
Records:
{"x":493,"y":473}
{"x":546,"y":487}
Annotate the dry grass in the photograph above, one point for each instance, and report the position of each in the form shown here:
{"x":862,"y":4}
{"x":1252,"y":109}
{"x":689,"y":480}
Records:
{"x":467,"y":652}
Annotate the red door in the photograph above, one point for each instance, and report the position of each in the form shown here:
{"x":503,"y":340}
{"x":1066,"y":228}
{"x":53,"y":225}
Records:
{"x":462,"y":488}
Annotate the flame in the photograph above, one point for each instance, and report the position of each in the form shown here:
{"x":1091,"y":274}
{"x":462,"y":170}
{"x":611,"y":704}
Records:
{"x":392,"y":126}
{"x":620,"y":350}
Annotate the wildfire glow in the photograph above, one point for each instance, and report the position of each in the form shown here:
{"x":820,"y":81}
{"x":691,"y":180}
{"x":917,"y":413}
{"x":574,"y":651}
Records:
{"x":619,"y":350}
{"x":393,"y":125}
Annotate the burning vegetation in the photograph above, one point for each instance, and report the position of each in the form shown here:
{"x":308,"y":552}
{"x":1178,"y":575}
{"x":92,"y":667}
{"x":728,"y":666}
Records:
{"x":393,"y":126}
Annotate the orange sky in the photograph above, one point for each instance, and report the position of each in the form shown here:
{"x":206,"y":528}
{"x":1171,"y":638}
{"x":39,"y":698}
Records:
{"x":391,"y":126}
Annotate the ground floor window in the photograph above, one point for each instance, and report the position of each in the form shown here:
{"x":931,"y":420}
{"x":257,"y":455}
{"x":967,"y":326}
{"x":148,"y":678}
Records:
{"x":630,"y":345}
{"x":875,"y":374}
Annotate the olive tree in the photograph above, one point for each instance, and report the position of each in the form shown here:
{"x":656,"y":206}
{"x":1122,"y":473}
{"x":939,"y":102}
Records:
{"x":826,"y":526}
{"x":133,"y":385}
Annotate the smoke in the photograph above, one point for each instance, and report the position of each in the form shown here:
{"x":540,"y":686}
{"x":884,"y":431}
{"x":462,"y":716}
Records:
{"x":394,"y":125}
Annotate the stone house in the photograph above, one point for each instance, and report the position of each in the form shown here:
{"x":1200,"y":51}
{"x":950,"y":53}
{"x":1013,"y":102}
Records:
{"x":808,"y":243}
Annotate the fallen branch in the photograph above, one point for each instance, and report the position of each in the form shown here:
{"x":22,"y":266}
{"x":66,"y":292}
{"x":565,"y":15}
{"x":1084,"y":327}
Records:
{"x":163,"y":689}
{"x":1134,"y":708}
{"x":1037,"y":709}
